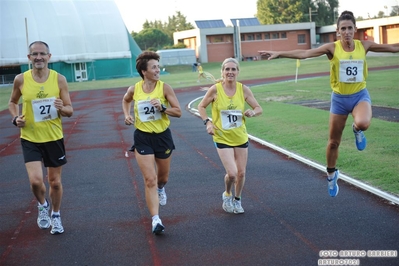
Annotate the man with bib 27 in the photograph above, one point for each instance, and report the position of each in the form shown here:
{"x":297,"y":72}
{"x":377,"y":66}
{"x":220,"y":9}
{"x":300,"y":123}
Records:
{"x":45,"y":99}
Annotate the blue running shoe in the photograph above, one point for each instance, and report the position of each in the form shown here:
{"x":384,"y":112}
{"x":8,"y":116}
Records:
{"x":332,"y":185}
{"x":360,"y":139}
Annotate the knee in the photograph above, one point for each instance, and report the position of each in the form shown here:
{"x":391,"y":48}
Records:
{"x":150,"y":182}
{"x":231,"y":177}
{"x":36,"y":183}
{"x":333,"y":144}
{"x":362,"y":125}
{"x":55,"y":184}
{"x":241,"y":175}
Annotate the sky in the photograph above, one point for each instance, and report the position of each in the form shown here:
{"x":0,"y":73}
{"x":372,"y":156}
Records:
{"x":135,"y":13}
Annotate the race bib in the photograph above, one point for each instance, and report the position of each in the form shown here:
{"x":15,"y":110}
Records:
{"x":44,"y":109}
{"x":147,"y":112}
{"x":351,"y":71}
{"x":231,"y":119}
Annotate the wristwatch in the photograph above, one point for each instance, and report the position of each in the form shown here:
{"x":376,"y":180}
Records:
{"x":14,"y":121}
{"x":163,"y":108}
{"x":206,"y":121}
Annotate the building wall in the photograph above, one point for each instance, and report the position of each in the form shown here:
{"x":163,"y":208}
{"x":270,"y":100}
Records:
{"x":390,"y":34}
{"x":290,"y":42}
{"x":217,"y":52}
{"x":216,"y":44}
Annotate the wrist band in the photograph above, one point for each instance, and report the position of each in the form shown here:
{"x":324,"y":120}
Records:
{"x":14,"y":121}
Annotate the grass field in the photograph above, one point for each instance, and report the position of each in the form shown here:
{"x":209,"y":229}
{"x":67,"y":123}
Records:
{"x":297,"y":128}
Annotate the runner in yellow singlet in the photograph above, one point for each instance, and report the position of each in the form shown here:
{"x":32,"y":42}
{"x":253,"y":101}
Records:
{"x":200,"y":72}
{"x":154,"y":101}
{"x":228,"y":99}
{"x":348,"y":82}
{"x":45,"y":99}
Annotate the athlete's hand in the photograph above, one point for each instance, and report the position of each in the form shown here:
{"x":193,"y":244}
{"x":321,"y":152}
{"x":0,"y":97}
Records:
{"x":20,"y":121}
{"x":129,"y":120}
{"x":59,"y":104}
{"x":249,"y":113}
{"x":269,"y":54}
{"x":156,"y":103}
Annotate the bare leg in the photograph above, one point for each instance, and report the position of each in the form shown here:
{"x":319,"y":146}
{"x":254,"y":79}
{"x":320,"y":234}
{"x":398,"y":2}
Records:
{"x":55,"y":190}
{"x":227,"y":157}
{"x":147,"y":167}
{"x":35,"y":174}
{"x":241,"y":157}
{"x":362,"y":114}
{"x":337,"y":125}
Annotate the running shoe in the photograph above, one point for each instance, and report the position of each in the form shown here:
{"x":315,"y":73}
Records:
{"x":360,"y":139}
{"x":56,"y":225}
{"x":227,"y":203}
{"x":332,"y":184}
{"x":162,"y":196}
{"x":157,"y":226}
{"x":237,"y":207}
{"x":43,"y":219}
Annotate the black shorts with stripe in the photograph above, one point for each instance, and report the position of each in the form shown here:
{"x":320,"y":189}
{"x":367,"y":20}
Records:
{"x":51,"y":153}
{"x":159,"y":144}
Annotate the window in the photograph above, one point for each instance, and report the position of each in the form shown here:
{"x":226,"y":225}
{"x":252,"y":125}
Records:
{"x":217,"y":39}
{"x":275,"y":35}
{"x":249,"y":37}
{"x":258,"y":36}
{"x":301,"y":38}
{"x":283,"y":35}
{"x":267,"y":36}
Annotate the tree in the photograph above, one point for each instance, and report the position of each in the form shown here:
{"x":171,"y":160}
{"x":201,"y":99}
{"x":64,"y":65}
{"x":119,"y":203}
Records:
{"x":279,"y":11}
{"x":326,"y":12}
{"x":323,"y":12}
{"x":151,"y":39}
{"x":395,"y":11}
{"x":175,"y":23}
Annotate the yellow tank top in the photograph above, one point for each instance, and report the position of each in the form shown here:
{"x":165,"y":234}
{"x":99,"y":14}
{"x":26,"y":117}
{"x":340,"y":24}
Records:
{"x":200,"y":70}
{"x":147,"y":117}
{"x":227,"y":116}
{"x":348,"y":70}
{"x":43,"y":122}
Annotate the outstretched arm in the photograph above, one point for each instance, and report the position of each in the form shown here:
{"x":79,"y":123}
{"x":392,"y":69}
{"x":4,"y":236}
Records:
{"x":380,"y":48}
{"x":327,"y":49}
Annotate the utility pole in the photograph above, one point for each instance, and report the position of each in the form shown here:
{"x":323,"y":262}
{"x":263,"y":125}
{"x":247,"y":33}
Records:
{"x":310,"y":13}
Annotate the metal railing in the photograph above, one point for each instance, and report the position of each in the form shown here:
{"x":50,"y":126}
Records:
{"x":7,"y":79}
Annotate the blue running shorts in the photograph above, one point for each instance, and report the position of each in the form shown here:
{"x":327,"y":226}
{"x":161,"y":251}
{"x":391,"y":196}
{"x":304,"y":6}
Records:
{"x":344,"y":104}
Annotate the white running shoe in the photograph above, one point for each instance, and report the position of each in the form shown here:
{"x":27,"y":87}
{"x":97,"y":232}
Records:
{"x":43,"y":219}
{"x":227,"y":203}
{"x":56,"y":225}
{"x":157,"y":227}
{"x":237,"y":207}
{"x":162,"y":196}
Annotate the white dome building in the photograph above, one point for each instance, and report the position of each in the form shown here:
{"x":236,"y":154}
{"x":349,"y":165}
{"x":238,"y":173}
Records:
{"x":87,"y":38}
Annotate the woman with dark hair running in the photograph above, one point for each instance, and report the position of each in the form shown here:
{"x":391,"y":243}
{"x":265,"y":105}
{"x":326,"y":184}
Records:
{"x":348,"y":74}
{"x":154,"y":101}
